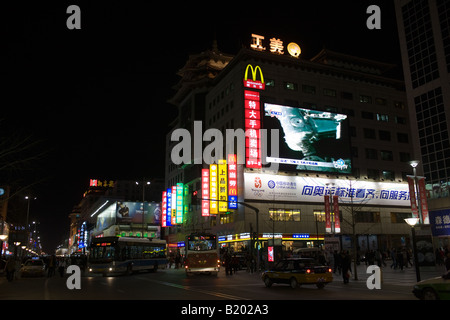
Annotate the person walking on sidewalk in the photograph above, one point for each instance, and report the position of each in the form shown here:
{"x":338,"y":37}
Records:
{"x":447,"y":261}
{"x":346,"y":266}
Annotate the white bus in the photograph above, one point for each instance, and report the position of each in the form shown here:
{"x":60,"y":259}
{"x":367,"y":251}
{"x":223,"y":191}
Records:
{"x":202,"y":255}
{"x":109,"y":255}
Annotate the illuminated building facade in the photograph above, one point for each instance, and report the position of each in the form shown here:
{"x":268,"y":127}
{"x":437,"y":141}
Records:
{"x":424,"y":34}
{"x":357,"y":149}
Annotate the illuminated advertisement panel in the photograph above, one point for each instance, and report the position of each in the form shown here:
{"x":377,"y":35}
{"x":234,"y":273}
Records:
{"x":164,"y":209}
{"x":174,"y":205}
{"x":222,"y":185}
{"x":213,"y":192}
{"x":205,"y":192}
{"x":310,"y":140}
{"x":180,"y":206}
{"x":232,"y":181}
{"x":169,"y":207}
{"x":259,"y":186}
{"x":131,"y":212}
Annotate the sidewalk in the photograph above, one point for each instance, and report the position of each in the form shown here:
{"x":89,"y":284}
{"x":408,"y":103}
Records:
{"x":405,"y":277}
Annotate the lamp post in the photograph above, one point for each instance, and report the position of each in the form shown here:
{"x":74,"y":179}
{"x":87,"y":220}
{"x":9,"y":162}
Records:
{"x":143,"y":203}
{"x":414,"y":164}
{"x":412,"y":222}
{"x":28,"y":198}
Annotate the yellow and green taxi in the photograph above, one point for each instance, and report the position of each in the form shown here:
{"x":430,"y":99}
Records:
{"x":437,"y":288}
{"x":298,"y":271}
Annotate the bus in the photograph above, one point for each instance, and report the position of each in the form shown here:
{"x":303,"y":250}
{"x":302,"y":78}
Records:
{"x":202,"y":254}
{"x":125,"y":255}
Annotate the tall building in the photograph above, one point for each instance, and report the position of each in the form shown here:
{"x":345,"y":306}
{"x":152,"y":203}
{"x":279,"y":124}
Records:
{"x":357,"y":148}
{"x":424,"y":34}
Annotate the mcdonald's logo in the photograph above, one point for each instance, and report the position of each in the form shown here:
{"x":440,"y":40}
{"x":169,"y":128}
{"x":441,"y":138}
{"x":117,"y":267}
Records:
{"x":254,"y":84}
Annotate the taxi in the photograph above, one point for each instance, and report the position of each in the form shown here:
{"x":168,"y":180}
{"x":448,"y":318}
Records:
{"x":437,"y":288}
{"x":298,"y":271}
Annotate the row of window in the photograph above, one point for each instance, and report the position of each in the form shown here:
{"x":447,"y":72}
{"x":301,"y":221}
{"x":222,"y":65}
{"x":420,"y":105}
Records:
{"x":383,"y":135}
{"x":282,"y":214}
{"x":386,"y":155}
{"x":309,"y":89}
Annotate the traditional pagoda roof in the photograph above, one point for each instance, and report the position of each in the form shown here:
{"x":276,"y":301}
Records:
{"x":199,"y":70}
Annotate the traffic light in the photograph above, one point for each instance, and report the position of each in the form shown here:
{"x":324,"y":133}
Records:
{"x":194,"y":199}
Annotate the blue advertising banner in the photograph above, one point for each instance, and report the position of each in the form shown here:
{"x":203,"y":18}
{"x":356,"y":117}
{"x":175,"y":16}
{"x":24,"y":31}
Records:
{"x":440,"y":222}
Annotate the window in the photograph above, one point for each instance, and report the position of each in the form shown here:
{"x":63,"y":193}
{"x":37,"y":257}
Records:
{"x":365,"y":99}
{"x":399,"y":105}
{"x":373,"y":174}
{"x":369,"y":133}
{"x":367,"y":216}
{"x":384,"y":135}
{"x":386,"y":155}
{"x":399,"y":217}
{"x":380,"y":101}
{"x":329,"y":92}
{"x":402,"y":137}
{"x":270,"y":83}
{"x":346,"y":95}
{"x":284,"y":214}
{"x":400,"y":120}
{"x":382,"y":117}
{"x":290,"y":86}
{"x":405,"y":157}
{"x":389,"y":175}
{"x":367,"y":115}
{"x":308,"y":89}
{"x":371,"y":154}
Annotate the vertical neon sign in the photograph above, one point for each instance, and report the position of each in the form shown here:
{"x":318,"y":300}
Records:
{"x":164,"y":209}
{"x":174,"y":205}
{"x":222,"y":185}
{"x":232,"y":181}
{"x":180,"y":205}
{"x":169,"y":207}
{"x":205,"y":192}
{"x":252,"y":117}
{"x":213,"y":209}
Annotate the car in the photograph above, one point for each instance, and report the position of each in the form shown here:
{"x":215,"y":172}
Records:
{"x":298,"y":271}
{"x":437,"y":288}
{"x":33,"y":267}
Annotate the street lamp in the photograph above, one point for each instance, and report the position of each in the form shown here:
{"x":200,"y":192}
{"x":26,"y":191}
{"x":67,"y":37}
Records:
{"x":143,"y":203}
{"x":28,"y":214}
{"x":414,"y":164}
{"x":412,"y":222}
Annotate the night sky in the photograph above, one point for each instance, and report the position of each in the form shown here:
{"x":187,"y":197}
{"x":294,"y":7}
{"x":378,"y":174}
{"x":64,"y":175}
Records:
{"x":95,"y":99}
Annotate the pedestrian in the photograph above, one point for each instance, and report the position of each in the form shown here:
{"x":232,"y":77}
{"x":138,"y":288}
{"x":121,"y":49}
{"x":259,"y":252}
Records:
{"x":51,"y":266}
{"x":62,"y":266}
{"x":337,"y":262}
{"x":177,"y":260}
{"x":234,"y":263}
{"x":447,"y":262}
{"x":10,"y":268}
{"x":400,"y":259}
{"x":228,"y":268}
{"x":346,"y":266}
{"x":394,"y":259}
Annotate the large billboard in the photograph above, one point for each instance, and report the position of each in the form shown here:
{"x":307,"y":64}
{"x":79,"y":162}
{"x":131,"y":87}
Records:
{"x":271,"y":187}
{"x":131,"y":212}
{"x":310,"y":140}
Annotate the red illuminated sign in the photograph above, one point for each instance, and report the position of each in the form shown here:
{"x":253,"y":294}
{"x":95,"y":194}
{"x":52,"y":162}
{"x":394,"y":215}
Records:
{"x":205,"y":192}
{"x":164,"y":209}
{"x":252,"y":117}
